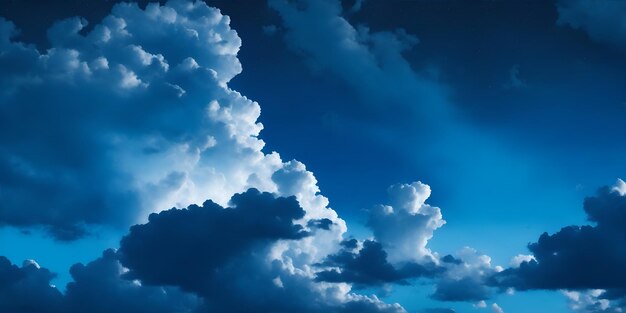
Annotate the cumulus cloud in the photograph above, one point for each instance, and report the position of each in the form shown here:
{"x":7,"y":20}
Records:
{"x":113,"y":123}
{"x":603,"y":21}
{"x":134,"y":116}
{"x":99,"y":287}
{"x":589,"y":257}
{"x":399,"y":251}
{"x":465,"y":277}
{"x":225,"y":256}
{"x":495,"y":308}
{"x":27,"y":288}
{"x":131,"y":117}
{"x":200,"y":240}
{"x":521,"y":258}
{"x":590,"y":301}
{"x":200,"y":259}
{"x":365,"y":263}
{"x":405,"y":225}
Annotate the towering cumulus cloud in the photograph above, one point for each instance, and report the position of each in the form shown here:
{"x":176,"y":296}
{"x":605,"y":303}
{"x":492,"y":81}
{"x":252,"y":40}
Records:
{"x":131,"y":116}
{"x":134,"y":116}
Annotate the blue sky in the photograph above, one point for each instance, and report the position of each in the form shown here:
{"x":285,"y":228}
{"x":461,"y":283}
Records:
{"x":510,"y":114}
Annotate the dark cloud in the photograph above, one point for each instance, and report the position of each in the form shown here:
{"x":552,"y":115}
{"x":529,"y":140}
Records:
{"x":323,"y":223}
{"x":199,"y":240}
{"x":578,"y":257}
{"x":369,"y":266}
{"x":98,"y":287}
{"x":199,"y":259}
{"x":451,"y":259}
{"x":221,"y":254}
{"x":464,"y":289}
{"x":27,"y":289}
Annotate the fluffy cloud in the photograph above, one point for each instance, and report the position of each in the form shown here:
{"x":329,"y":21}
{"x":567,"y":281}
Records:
{"x":132,"y":116}
{"x":94,"y":124}
{"x":590,"y":301}
{"x":495,"y":308}
{"x":27,"y":288}
{"x":405,"y":225}
{"x":135,"y":115}
{"x":366,"y":264}
{"x":99,"y":287}
{"x":225,"y":256}
{"x":465,"y":277}
{"x":200,"y":240}
{"x":399,"y":251}
{"x":200,"y":259}
{"x":603,"y":21}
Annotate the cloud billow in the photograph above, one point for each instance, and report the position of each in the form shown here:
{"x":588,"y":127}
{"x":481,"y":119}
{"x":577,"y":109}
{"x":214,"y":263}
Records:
{"x":27,"y":288}
{"x":369,"y":266}
{"x":199,"y":259}
{"x":199,"y":240}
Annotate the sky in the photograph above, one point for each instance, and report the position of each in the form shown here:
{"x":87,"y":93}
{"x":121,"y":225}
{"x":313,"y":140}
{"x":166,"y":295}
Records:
{"x":312,"y":156}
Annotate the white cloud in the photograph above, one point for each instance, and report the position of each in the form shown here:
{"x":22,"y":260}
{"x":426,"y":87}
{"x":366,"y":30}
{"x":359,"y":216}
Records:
{"x":620,"y":187}
{"x":481,"y":304}
{"x":589,"y":301}
{"x":495,"y":308}
{"x":405,"y":226}
{"x":520,"y":258}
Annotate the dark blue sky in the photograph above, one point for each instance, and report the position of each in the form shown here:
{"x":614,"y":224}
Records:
{"x":512,"y":112}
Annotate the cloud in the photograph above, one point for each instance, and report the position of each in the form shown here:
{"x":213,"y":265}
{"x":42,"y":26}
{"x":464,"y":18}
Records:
{"x":495,"y":308}
{"x":200,"y":259}
{"x":465,"y":277}
{"x":399,"y":251}
{"x":200,"y":240}
{"x":521,"y":258}
{"x":603,"y":21}
{"x":27,"y":288}
{"x":589,"y":257}
{"x":134,"y":115}
{"x":99,"y":287}
{"x":578,"y":257}
{"x":226,"y":255}
{"x":590,"y":301}
{"x":131,"y":117}
{"x":464,"y":289}
{"x":368,"y":265}
{"x":371,"y":63}
{"x":480,"y":304}
{"x":405,"y":225}
{"x":93,"y":125}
